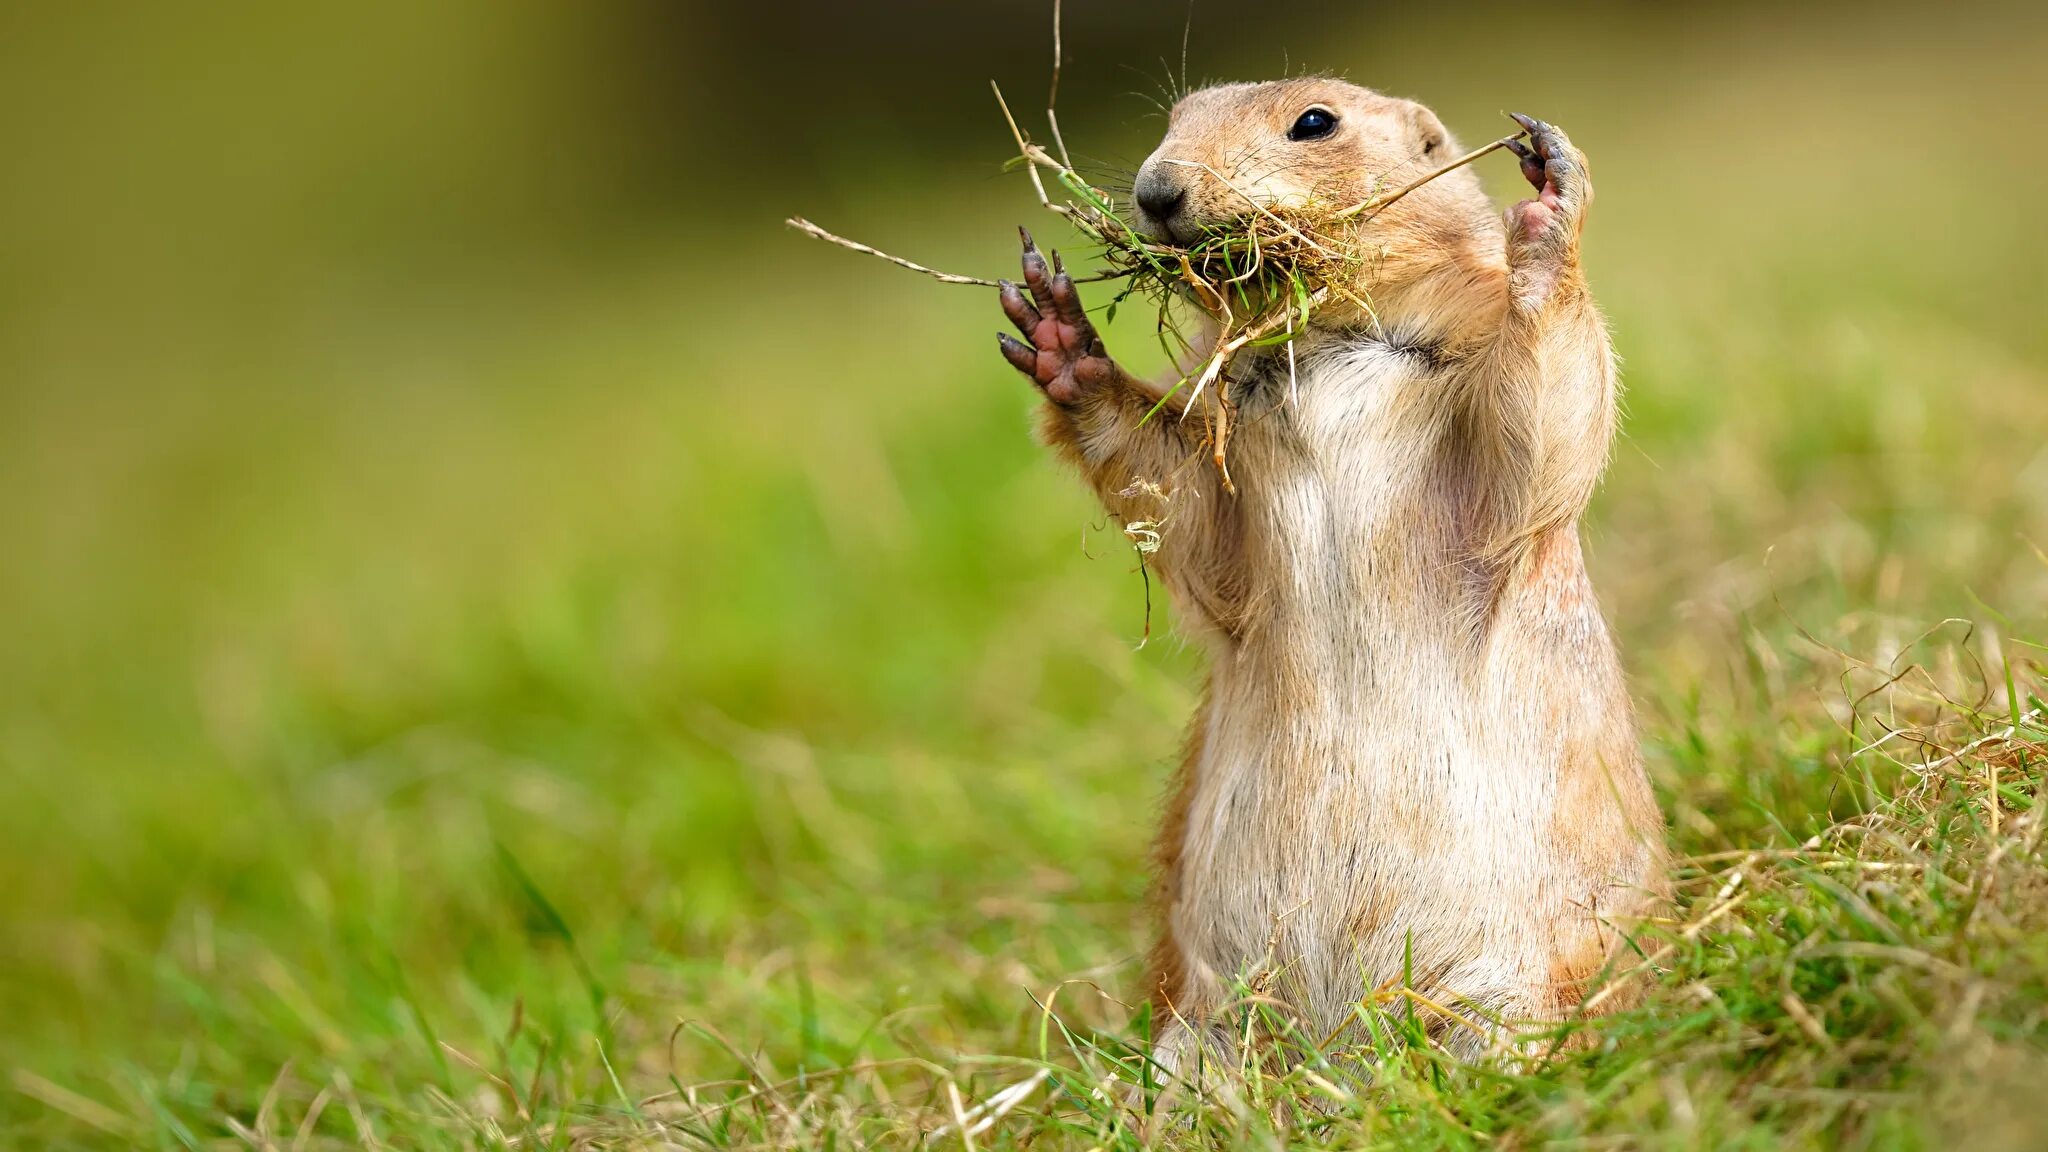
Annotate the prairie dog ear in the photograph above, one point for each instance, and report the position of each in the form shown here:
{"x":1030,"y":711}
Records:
{"x":1426,"y":131}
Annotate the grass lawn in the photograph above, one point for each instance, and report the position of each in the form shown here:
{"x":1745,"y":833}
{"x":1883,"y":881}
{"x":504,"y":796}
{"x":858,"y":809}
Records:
{"x":669,"y":701}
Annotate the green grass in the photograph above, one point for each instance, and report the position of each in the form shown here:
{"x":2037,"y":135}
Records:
{"x":639,"y":703}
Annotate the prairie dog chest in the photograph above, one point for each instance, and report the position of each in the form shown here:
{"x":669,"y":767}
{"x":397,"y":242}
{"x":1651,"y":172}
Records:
{"x":1342,"y":461}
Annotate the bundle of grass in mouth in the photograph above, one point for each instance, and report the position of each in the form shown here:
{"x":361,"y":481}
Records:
{"x":1257,"y":280}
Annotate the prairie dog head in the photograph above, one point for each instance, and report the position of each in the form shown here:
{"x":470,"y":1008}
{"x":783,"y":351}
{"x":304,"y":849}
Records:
{"x":1290,"y":144}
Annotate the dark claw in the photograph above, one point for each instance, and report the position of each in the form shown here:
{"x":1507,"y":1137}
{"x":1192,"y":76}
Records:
{"x":1539,"y":133}
{"x":1532,"y":165}
{"x":1021,"y":356}
{"x":1077,"y":356}
{"x":1068,"y":303}
{"x":1016,"y":307}
{"x":1036,"y":274}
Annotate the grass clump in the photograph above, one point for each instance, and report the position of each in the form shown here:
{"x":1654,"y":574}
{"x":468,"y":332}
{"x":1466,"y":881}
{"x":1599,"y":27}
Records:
{"x":1254,"y":281}
{"x":1877,"y":983}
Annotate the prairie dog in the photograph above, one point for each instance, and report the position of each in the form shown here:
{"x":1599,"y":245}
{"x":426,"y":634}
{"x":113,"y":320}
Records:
{"x":1416,"y":750}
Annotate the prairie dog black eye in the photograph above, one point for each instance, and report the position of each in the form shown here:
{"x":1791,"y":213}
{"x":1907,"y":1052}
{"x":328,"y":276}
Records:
{"x":1313,"y":124}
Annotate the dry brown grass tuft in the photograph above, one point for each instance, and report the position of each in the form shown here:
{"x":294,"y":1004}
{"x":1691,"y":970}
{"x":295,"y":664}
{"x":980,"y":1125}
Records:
{"x":1812,"y":989}
{"x":1256,"y":281}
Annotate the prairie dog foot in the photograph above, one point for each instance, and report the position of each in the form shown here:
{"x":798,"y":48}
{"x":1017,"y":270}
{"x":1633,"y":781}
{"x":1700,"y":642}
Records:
{"x":1543,"y":233}
{"x":1064,"y":356}
{"x":1191,"y":1059}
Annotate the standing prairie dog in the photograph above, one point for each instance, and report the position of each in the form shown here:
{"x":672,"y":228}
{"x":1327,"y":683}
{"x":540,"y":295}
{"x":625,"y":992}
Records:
{"x":1416,"y":753}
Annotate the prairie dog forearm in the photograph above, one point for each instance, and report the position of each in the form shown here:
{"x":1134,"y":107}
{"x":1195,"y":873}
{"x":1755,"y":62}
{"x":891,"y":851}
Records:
{"x":1542,"y":407}
{"x":1540,"y":417}
{"x":1149,"y":465}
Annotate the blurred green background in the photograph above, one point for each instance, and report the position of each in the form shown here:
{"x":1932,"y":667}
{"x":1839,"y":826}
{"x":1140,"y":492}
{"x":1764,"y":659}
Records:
{"x":422,"y":446}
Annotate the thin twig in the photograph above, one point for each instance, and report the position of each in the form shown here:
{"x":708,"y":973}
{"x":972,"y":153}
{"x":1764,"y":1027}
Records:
{"x":1023,"y":145}
{"x":810,"y":229}
{"x":1228,"y":348}
{"x":1380,"y":204}
{"x":1315,"y":264}
{"x":983,"y":1116}
{"x":959,"y":1116}
{"x":1052,"y":95}
{"x":1186,"y":27}
{"x":1222,"y":438}
{"x":805,"y":226}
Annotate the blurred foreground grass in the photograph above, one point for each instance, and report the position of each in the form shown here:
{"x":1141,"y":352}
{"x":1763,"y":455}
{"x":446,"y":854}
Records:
{"x":406,"y":722}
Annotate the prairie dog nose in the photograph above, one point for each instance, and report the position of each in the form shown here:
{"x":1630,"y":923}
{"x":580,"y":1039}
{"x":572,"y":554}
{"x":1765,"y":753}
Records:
{"x":1160,"y":194}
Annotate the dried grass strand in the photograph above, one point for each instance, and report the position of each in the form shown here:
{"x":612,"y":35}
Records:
{"x":1279,"y":265}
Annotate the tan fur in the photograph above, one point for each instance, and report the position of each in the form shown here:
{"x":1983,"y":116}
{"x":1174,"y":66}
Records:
{"x":1417,"y":743}
{"x":1165,"y":972}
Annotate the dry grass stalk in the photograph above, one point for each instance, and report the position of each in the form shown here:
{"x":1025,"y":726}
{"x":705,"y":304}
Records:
{"x":1259,"y":280}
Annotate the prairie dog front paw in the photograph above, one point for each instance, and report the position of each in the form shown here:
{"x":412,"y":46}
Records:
{"x":1543,"y":232}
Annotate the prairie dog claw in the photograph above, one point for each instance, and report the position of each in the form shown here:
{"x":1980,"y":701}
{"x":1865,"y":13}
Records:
{"x":1061,"y":351}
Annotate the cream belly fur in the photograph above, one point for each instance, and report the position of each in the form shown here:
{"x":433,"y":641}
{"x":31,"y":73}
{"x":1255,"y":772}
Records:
{"x":1417,"y":755}
{"x":1394,"y":811}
